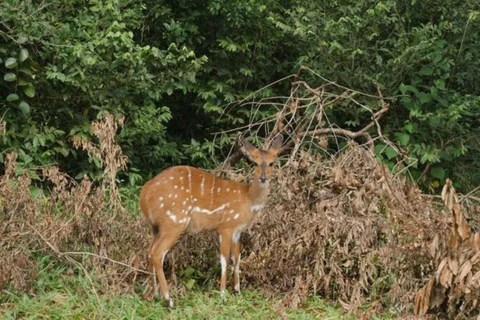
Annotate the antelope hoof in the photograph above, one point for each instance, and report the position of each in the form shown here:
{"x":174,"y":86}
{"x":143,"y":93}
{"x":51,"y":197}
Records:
{"x":169,"y":303}
{"x":237,"y":289}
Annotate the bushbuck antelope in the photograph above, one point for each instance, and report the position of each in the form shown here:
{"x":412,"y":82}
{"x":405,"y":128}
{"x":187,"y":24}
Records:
{"x":185,"y":198}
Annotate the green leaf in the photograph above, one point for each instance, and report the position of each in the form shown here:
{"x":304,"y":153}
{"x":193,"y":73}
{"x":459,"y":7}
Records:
{"x":426,"y":71}
{"x":11,"y":63}
{"x":29,"y":90}
{"x":25,"y":107}
{"x":403,"y":138}
{"x":23,"y":55}
{"x":424,"y":97}
{"x":378,"y":149}
{"x":438,"y":172}
{"x":36,"y":192}
{"x":190,"y":283}
{"x":390,"y":152}
{"x":9,"y":77}
{"x":12,"y":97}
{"x":440,"y":84}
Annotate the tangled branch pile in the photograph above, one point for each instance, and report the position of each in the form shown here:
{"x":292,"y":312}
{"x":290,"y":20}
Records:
{"x":343,"y":227}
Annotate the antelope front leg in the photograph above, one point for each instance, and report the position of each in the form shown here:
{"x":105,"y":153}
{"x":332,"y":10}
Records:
{"x":225,"y":246}
{"x":236,"y":248}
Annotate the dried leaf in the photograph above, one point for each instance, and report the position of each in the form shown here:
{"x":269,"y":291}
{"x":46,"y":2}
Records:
{"x":442,"y":264}
{"x":453,"y":265}
{"x":432,"y":249}
{"x":464,"y":270}
{"x":446,"y":277}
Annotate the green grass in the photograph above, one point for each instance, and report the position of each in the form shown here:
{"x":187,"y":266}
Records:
{"x":61,"y":296}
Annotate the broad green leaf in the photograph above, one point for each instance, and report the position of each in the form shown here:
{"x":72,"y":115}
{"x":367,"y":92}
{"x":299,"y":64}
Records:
{"x":9,"y":77}
{"x":22,"y":39}
{"x":36,"y":192}
{"x":440,"y":84}
{"x":12,"y":97}
{"x":403,"y":138}
{"x":426,"y":70}
{"x":11,"y":63}
{"x":29,"y":90}
{"x":424,"y":97}
{"x":23,"y":55}
{"x":379,"y":148}
{"x":438,"y":172}
{"x":25,"y":107}
{"x":390,"y":152}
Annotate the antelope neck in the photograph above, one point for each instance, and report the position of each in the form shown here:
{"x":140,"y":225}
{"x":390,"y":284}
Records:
{"x":258,"y":192}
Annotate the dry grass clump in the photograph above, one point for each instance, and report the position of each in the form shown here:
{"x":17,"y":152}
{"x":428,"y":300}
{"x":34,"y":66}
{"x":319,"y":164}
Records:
{"x":71,"y":221}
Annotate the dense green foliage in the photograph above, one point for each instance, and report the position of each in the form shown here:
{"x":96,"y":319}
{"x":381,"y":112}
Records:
{"x":172,"y":67}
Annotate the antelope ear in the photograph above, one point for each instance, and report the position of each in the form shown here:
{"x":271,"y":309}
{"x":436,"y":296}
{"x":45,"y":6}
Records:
{"x":246,"y":148}
{"x":276,"y":144}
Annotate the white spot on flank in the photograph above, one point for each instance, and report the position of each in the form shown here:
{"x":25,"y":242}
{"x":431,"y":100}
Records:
{"x":171,"y":178}
{"x":184,"y":220}
{"x":160,"y":198}
{"x":206,"y":211}
{"x":219,"y":190}
{"x":175,"y":187}
{"x":231,"y":211}
{"x":176,"y":196}
{"x":161,"y":205}
{"x":236,"y":216}
{"x":170,"y":195}
{"x":228,"y":189}
{"x":157,"y":183}
{"x":173,"y":204}
{"x":202,"y":185}
{"x":184,"y":202}
{"x":182,"y":188}
{"x":171,"y":216}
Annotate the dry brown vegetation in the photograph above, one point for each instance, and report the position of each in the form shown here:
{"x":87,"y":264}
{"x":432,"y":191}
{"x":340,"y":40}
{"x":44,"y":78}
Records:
{"x":341,"y":226}
{"x":455,"y":286}
{"x":73,"y":221}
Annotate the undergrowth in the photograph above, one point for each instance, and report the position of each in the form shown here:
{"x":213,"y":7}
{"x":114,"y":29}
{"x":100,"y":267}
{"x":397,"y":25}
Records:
{"x":63,"y":293}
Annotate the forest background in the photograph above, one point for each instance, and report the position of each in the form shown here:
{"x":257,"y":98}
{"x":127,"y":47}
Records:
{"x":178,"y":72}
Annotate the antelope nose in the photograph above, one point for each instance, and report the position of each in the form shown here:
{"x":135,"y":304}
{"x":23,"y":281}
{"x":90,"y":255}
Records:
{"x":263,"y":179}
